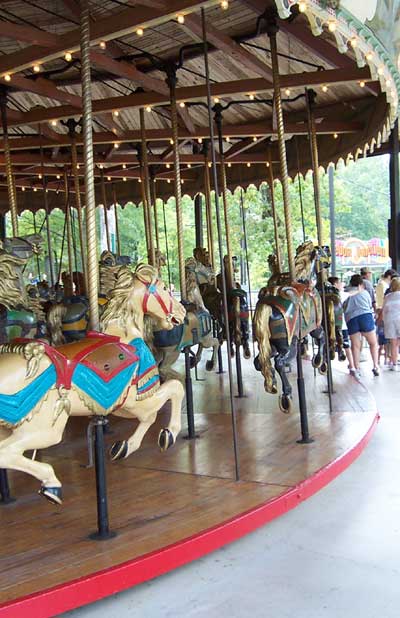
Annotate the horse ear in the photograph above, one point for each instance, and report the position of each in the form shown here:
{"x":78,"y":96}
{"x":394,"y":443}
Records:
{"x":146,"y":273}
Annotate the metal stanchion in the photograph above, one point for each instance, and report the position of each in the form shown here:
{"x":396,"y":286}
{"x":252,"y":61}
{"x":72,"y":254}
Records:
{"x":5,"y":495}
{"x":103,"y":529}
{"x":305,"y":436}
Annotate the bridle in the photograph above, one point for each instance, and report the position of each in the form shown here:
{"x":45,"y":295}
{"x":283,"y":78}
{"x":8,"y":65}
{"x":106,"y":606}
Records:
{"x":151,"y":290}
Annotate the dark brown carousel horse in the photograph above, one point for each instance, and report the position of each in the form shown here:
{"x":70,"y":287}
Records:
{"x":286,"y":312}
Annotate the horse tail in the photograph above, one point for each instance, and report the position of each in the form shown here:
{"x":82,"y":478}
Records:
{"x":55,"y":318}
{"x":262,"y":334}
{"x":330,"y":316}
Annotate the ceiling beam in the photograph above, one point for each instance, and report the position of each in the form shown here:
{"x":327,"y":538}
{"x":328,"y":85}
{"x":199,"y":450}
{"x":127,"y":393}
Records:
{"x":242,"y":146}
{"x":112,"y":26}
{"x":192,"y":93}
{"x":224,"y":43}
{"x":45,"y":88}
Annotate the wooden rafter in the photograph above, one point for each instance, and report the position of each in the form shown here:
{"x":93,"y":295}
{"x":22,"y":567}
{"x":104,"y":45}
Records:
{"x":192,"y":93}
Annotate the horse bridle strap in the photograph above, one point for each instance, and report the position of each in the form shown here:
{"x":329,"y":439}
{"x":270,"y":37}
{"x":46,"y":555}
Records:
{"x":151,"y":290}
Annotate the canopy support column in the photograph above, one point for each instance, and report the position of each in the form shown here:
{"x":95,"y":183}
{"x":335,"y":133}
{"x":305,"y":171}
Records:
{"x":12,"y":196}
{"x":274,"y":215}
{"x":331,"y":175}
{"x":394,"y":222}
{"x":207,"y":193}
{"x":78,"y":203}
{"x":146,"y":191}
{"x":92,"y":266}
{"x":198,"y":219}
{"x":105,"y":212}
{"x":69,"y":230}
{"x":171,"y":81}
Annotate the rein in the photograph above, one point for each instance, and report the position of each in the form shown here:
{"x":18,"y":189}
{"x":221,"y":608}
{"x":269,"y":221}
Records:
{"x":151,"y":290}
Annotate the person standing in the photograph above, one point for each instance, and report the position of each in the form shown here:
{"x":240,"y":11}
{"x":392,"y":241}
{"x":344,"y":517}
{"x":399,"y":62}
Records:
{"x":382,"y":285}
{"x":335,"y":281}
{"x":391,"y":320}
{"x":359,"y":316}
{"x":366,"y":274}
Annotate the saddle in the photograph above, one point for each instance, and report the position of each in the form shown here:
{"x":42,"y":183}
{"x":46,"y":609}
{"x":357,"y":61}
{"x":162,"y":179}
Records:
{"x":103,"y":354}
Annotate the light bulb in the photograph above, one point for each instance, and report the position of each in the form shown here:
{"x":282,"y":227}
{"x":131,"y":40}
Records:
{"x":335,"y":136}
{"x":124,"y":179}
{"x":116,"y":113}
{"x":168,"y":181}
{"x":124,"y":166}
{"x":40,"y":176}
{"x":53,"y":123}
{"x":331,"y":25}
{"x":200,"y":140}
{"x":324,"y":88}
{"x":148,"y":108}
{"x":229,"y":164}
{"x":224,"y":5}
{"x":267,"y":164}
{"x":168,"y":166}
{"x":7,"y":77}
{"x":216,"y":100}
{"x":354,"y":42}
{"x":36,"y":68}
{"x":116,"y":145}
{"x":68,"y":57}
{"x":248,"y":164}
{"x":103,"y":44}
{"x":302,"y":7}
{"x":108,"y":178}
{"x":255,"y":139}
{"x":35,"y":189}
{"x":58,"y":176}
{"x":228,"y":139}
{"x":180,"y":18}
{"x":140,"y":31}
{"x":362,"y":84}
{"x":287,"y":92}
{"x":251,"y":97}
{"x":182,"y":104}
{"x":369,"y":56}
{"x":189,"y":165}
{"x":171,"y":141}
{"x":23,"y":188}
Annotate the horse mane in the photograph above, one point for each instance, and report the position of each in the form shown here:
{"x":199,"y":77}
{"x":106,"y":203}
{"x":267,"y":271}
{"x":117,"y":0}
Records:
{"x":121,"y":307}
{"x":12,"y":293}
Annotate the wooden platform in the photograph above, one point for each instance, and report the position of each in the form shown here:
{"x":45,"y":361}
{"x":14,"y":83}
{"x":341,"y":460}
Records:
{"x":170,"y":508}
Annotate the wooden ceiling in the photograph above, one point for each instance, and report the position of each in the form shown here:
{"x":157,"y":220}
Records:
{"x":127,"y":73}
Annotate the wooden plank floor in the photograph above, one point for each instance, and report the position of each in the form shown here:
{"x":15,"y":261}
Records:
{"x":156,"y":499}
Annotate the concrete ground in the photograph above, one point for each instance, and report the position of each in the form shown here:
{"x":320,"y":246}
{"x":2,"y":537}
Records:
{"x":335,"y":556}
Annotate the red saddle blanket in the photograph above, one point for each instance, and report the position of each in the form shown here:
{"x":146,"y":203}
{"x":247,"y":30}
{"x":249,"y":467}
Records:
{"x":103,"y":354}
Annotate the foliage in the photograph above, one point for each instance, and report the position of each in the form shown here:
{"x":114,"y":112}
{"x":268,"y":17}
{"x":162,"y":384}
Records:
{"x":361,"y":206}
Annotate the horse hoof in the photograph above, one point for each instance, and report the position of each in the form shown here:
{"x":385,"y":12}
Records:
{"x":246,"y":352}
{"x":52,"y":494}
{"x":323,"y":369}
{"x":342,"y":356}
{"x":209,"y":365}
{"x":332,"y":355}
{"x":285,"y":404}
{"x":165,"y":439}
{"x":257,"y":364}
{"x":316,"y":361}
{"x":119,"y":450}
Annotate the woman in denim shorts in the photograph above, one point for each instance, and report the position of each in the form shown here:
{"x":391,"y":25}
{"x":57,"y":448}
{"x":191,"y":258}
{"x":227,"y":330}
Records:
{"x":360,"y":322}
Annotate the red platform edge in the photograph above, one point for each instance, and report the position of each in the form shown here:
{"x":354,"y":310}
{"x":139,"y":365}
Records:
{"x":93,"y":587}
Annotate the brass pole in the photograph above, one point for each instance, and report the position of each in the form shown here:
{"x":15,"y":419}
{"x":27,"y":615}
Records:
{"x":92,"y":267}
{"x":145,"y":211}
{"x":274,"y":213}
{"x":47,"y":210}
{"x":104,"y":199}
{"x":146,"y":187}
{"x":116,"y":220}
{"x":12,"y":196}
{"x":69,"y":229}
{"x":218,"y":122}
{"x":78,"y":202}
{"x":171,"y":80}
{"x":310,"y":97}
{"x":157,"y":236}
{"x":207,"y":193}
{"x":272,"y":29}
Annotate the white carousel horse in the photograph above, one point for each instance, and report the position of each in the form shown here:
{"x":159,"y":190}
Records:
{"x":23,"y":246}
{"x":112,"y":372}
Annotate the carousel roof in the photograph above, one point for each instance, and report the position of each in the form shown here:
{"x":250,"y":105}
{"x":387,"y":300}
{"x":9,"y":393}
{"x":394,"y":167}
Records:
{"x":333,"y":52}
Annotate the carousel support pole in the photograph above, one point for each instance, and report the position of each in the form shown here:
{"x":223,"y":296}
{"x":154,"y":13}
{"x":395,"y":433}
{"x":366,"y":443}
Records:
{"x":118,"y":238}
{"x":207,"y":193}
{"x":394,"y":221}
{"x":198,"y":220}
{"x":5,"y":495}
{"x":103,"y":526}
{"x":105,"y":212}
{"x":247,"y":261}
{"x":78,"y":203}
{"x":305,"y":434}
{"x":274,"y":213}
{"x":230,"y":282}
{"x":37,"y":255}
{"x":155,"y":212}
{"x":310,"y":97}
{"x":69,"y":229}
{"x":47,"y":211}
{"x":272,"y":30}
{"x":171,"y":81}
{"x":146,"y":189}
{"x":12,"y":195}
{"x":331,"y":175}
{"x":166,"y":245}
{"x":300,"y":190}
{"x":221,"y":253}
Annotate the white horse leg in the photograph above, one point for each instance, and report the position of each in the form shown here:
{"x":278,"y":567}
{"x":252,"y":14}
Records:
{"x":38,"y":433}
{"x":146,"y":411}
{"x":211,"y":342}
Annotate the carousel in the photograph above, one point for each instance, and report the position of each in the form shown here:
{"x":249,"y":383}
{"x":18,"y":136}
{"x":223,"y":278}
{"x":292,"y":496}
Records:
{"x":141,"y":401}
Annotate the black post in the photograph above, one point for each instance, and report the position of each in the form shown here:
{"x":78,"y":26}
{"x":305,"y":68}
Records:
{"x":394,"y":222}
{"x":198,"y":219}
{"x":331,"y":176}
{"x":189,"y":396}
{"x":239,"y":375}
{"x":2,"y":226}
{"x":305,"y":436}
{"x":103,"y":530}
{"x":5,"y":496}
{"x":219,"y":353}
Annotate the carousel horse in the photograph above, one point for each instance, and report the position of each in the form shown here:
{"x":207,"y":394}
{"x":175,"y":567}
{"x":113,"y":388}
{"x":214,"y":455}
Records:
{"x":69,"y":320}
{"x":23,"y":246}
{"x":211,"y":292}
{"x":286,"y":312}
{"x":108,"y":372}
{"x":196,"y":330}
{"x":18,"y":311}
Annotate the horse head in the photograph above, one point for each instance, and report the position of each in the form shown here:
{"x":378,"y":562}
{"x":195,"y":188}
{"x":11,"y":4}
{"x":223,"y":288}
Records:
{"x":157,"y":301}
{"x":25,"y":246}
